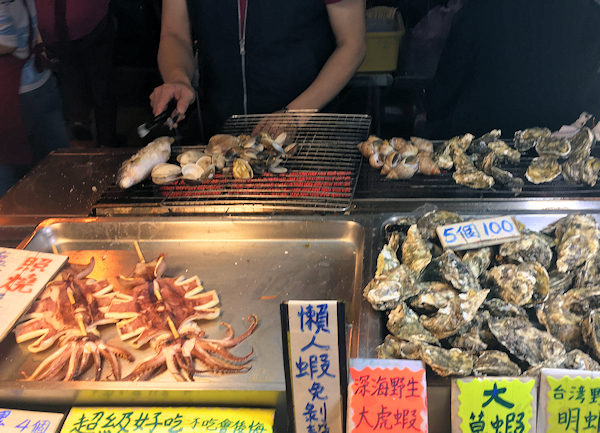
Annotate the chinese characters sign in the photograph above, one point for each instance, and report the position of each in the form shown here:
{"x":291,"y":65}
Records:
{"x":23,"y":274}
{"x":496,"y":405}
{"x":390,"y":396}
{"x":25,"y":421}
{"x":314,"y":366}
{"x":573,"y":404}
{"x":478,"y":233}
{"x":168,"y":420}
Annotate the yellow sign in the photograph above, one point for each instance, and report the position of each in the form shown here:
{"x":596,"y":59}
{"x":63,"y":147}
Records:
{"x":489,"y":405}
{"x":168,"y":420}
{"x":573,"y":404}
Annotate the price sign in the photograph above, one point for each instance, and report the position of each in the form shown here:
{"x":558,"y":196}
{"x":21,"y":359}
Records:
{"x":569,"y":401}
{"x":168,"y":420}
{"x":478,"y":233}
{"x":483,"y":405}
{"x":23,"y":275}
{"x":387,"y":395}
{"x":26,"y":421}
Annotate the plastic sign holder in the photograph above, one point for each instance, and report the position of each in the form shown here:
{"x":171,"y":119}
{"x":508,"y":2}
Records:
{"x":29,"y":421}
{"x":478,"y":233}
{"x":314,"y":348}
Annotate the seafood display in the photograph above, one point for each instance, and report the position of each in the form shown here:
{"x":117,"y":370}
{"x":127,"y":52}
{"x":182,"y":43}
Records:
{"x":163,"y":313}
{"x":140,"y":165}
{"x":508,"y":309}
{"x":240,"y":157}
{"x":485,"y":162}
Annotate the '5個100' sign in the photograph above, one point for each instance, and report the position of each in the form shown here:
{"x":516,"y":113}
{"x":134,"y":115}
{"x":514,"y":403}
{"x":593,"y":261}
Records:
{"x":478,"y":233}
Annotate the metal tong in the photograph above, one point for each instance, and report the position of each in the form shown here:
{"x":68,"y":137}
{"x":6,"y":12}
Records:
{"x":160,"y":119}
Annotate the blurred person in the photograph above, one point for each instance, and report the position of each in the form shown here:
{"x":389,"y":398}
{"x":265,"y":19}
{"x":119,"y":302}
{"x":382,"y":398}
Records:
{"x":81,"y":36}
{"x":512,"y":65}
{"x":31,"y":118}
{"x":256,"y":56}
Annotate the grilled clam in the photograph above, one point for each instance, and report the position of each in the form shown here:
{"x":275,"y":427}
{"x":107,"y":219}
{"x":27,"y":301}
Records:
{"x":164,"y":173}
{"x":242,"y":169}
{"x":189,"y":156}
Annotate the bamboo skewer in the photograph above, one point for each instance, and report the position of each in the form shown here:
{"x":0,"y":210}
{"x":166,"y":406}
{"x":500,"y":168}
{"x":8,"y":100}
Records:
{"x":139,"y":252}
{"x":54,"y":250}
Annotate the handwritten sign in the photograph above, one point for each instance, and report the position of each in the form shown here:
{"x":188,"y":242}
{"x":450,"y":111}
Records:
{"x":168,"y":420}
{"x":506,"y":405}
{"x":570,"y":401}
{"x":26,"y":421}
{"x":23,"y":275}
{"x":314,"y":365}
{"x":387,"y":395}
{"x":478,"y":233}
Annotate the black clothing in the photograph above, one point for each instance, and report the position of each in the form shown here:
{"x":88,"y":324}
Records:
{"x":287,"y":43}
{"x":514,"y":64}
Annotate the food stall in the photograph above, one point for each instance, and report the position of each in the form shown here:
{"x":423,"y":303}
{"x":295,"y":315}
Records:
{"x":314,"y":231}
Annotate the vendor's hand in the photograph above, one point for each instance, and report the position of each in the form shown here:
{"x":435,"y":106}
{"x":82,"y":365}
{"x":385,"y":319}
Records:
{"x":278,"y":122}
{"x":183,"y":93}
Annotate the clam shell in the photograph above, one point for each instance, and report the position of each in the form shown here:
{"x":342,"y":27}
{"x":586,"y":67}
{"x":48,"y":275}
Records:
{"x":191,"y":171}
{"x":189,"y":156}
{"x":165,"y":173}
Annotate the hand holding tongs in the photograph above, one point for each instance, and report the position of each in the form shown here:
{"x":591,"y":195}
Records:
{"x":166,"y":116}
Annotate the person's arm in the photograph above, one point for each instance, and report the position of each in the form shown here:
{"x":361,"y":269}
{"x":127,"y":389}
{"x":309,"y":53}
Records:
{"x":8,"y":37}
{"x":347,"y":19}
{"x":175,"y":59}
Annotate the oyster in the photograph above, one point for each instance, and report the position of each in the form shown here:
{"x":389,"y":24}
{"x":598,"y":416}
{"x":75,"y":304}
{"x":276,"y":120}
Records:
{"x":394,"y":348}
{"x":404,"y":324}
{"x":462,"y":162}
{"x":578,"y":360}
{"x":385,"y":292}
{"x":527,"y":343}
{"x":562,"y":314}
{"x":531,"y":247}
{"x":445,"y":362}
{"x":504,"y":152}
{"x":591,"y":331}
{"x":461,"y":142}
{"x":536,"y":370}
{"x":581,"y":144}
{"x":589,"y":273}
{"x":577,"y":171}
{"x":528,"y":138}
{"x":495,"y":363}
{"x":475,"y":179}
{"x":451,"y":269}
{"x":559,"y":282}
{"x":387,"y":259}
{"x":443,"y":157}
{"x":480,"y":144}
{"x":478,"y":260}
{"x":523,"y":284}
{"x":165,"y":173}
{"x":499,"y":308}
{"x":550,"y":146}
{"x":543,"y":169}
{"x":428,"y":223}
{"x":459,"y":311}
{"x":577,"y":243}
{"x":432,"y":296}
{"x":415,"y":253}
{"x":475,"y":336}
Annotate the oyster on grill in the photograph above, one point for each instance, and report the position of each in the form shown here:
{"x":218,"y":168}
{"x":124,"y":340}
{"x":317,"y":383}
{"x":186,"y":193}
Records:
{"x":475,"y":179}
{"x":524,"y":341}
{"x":404,"y":324}
{"x":581,"y":144}
{"x":450,"y":268}
{"x":531,"y":247}
{"x":591,"y":331}
{"x":495,"y":363}
{"x":462,"y":162}
{"x":543,"y":169}
{"x":522,"y":285}
{"x":443,"y":157}
{"x":578,"y":360}
{"x":528,"y":138}
{"x":415,"y":253}
{"x":393,"y":348}
{"x":550,"y":146}
{"x":504,"y":152}
{"x":577,"y":171}
{"x":428,"y":223}
{"x":478,"y":260}
{"x":577,"y":241}
{"x":445,"y":362}
{"x":480,"y":144}
{"x":459,"y":311}
{"x":461,"y":142}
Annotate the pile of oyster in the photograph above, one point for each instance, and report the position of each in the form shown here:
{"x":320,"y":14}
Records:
{"x":477,"y":162}
{"x":241,"y":157}
{"x":509,"y":309}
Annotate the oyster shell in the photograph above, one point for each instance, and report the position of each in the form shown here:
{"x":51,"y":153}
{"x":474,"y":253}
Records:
{"x":589,"y":273}
{"x":461,"y":142}
{"x":415,"y":253}
{"x":495,"y":363}
{"x":387,"y":258}
{"x":443,"y":157}
{"x":543,"y":169}
{"x":581,"y":144}
{"x":445,"y":362}
{"x":524,"y":284}
{"x":428,"y":223}
{"x":475,"y":179}
{"x":462,"y":162}
{"x":499,"y":308}
{"x":475,"y":336}
{"x":504,"y":152}
{"x":536,"y":370}
{"x":577,"y":243}
{"x":404,"y":324}
{"x":394,"y":348}
{"x":578,"y":360}
{"x":451,"y":269}
{"x":581,"y":171}
{"x":480,"y":144}
{"x":527,"y":343}
{"x":559,"y":282}
{"x":528,"y":138}
{"x":432,"y":296}
{"x":531,"y":247}
{"x":478,"y":260}
{"x":551,"y":146}
{"x":385,"y":292}
{"x":590,"y":329}
{"x":459,"y":311}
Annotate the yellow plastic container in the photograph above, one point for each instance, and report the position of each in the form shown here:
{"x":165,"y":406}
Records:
{"x":383,"y":49}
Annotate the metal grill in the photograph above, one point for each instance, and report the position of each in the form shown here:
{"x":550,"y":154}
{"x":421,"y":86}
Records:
{"x":443,"y":187}
{"x":321,"y":176}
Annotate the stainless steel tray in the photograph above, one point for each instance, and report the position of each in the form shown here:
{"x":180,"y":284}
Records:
{"x":254,"y":264}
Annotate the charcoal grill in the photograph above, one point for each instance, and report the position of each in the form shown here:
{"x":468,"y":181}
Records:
{"x":321,"y":176}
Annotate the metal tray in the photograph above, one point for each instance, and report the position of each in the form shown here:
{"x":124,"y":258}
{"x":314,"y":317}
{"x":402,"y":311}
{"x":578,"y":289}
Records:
{"x":254,"y":264}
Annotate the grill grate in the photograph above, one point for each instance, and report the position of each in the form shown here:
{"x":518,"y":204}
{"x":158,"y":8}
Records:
{"x":322,"y":174}
{"x":443,"y":186}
